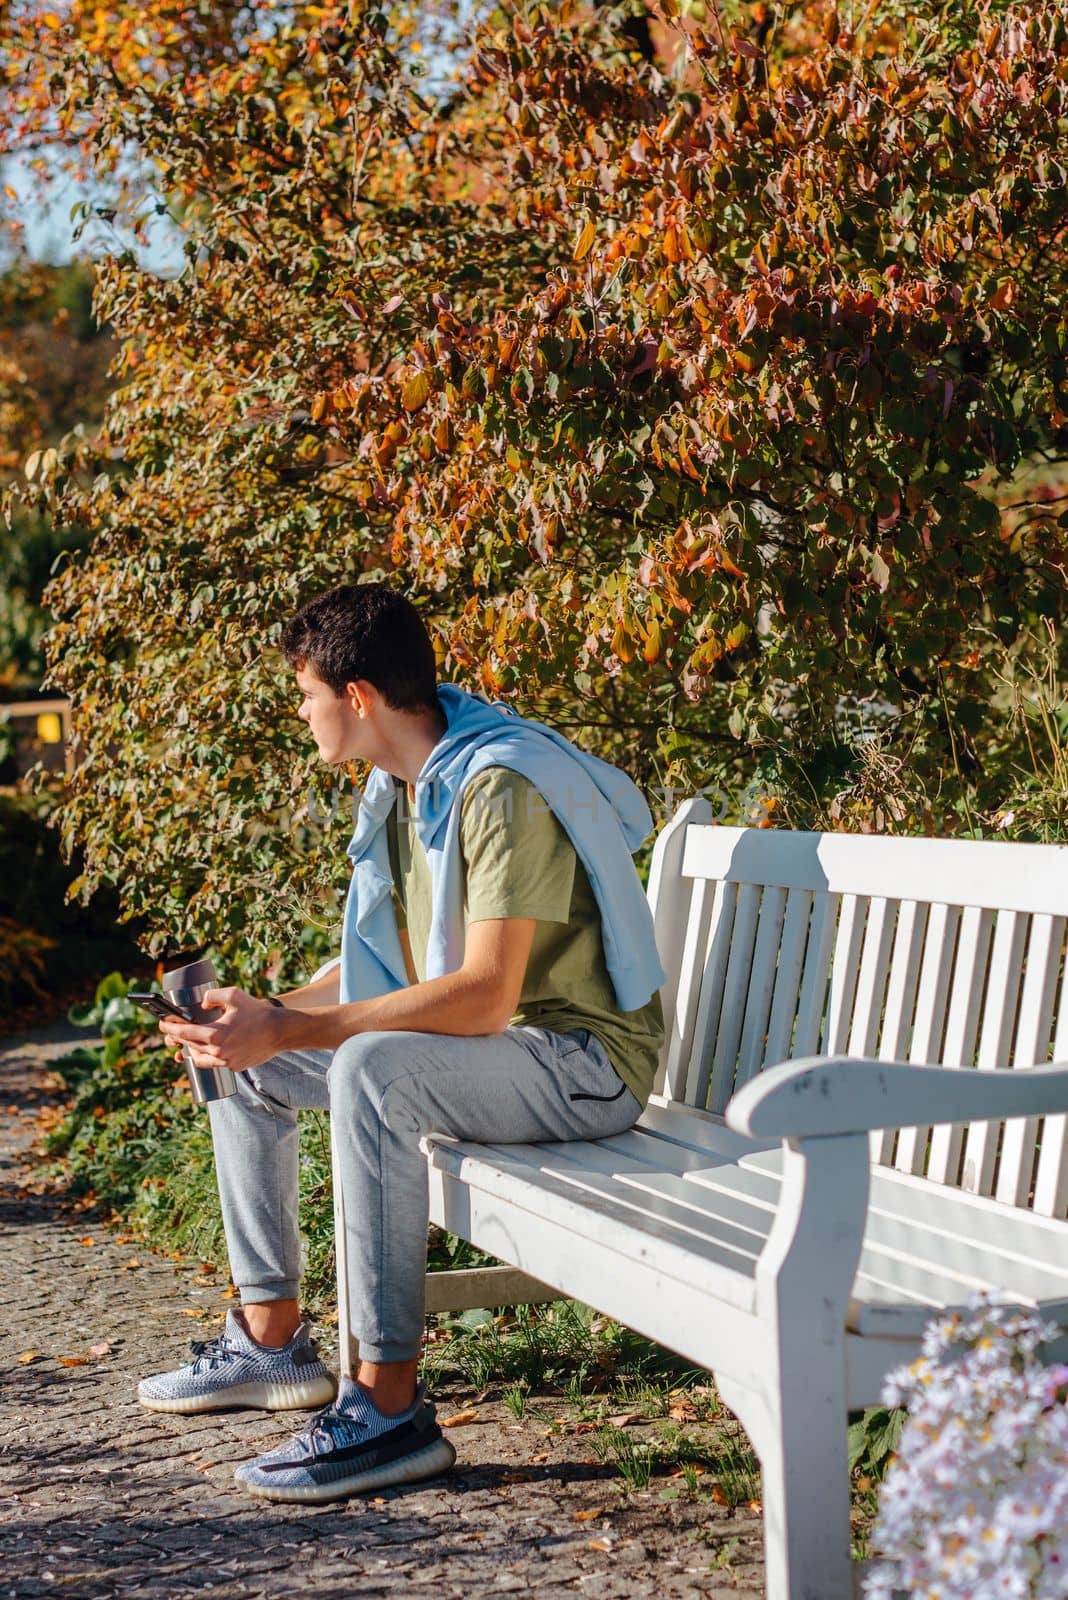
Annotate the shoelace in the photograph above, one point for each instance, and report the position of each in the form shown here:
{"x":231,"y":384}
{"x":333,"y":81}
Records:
{"x":209,"y":1352}
{"x":327,"y":1425}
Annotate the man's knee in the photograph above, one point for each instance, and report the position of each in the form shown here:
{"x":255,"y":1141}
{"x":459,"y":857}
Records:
{"x":370,"y":1075}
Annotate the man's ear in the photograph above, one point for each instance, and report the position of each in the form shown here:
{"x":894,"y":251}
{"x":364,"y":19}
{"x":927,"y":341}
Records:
{"x":361,"y":696}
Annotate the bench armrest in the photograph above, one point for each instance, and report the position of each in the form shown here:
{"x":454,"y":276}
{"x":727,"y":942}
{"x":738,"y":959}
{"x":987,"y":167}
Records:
{"x":827,"y":1095}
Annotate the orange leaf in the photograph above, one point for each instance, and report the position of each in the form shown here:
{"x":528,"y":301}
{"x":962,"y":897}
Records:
{"x":74,"y":1361}
{"x":87,"y":1241}
{"x":584,"y":244}
{"x":588,"y":1516}
{"x":460,"y":1419}
{"x":416,"y":392}
{"x":599,"y":1544}
{"x":28,"y":1356}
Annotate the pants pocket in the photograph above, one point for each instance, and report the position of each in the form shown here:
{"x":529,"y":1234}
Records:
{"x":588,"y":1064}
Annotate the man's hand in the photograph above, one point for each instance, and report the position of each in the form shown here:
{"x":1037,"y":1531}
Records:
{"x":248,"y":1033}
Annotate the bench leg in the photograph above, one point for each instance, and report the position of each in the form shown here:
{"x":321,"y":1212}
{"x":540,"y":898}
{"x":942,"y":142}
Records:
{"x":805,"y":1490}
{"x":797,"y":1418}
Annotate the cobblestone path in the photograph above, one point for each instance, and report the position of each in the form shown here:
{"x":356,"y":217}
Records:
{"x":99,"y":1497}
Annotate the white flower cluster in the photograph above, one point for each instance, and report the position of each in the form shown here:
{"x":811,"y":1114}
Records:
{"x":975,"y":1503}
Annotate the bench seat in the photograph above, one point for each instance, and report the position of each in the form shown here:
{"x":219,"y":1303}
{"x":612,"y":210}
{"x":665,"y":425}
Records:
{"x":681,"y":1191}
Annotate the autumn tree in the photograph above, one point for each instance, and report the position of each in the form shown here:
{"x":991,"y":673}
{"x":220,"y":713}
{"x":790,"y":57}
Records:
{"x":689,"y":396}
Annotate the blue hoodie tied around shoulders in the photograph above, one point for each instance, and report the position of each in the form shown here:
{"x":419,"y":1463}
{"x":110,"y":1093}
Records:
{"x":600,"y":809}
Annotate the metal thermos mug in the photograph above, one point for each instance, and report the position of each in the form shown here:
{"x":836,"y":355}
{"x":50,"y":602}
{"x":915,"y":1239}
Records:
{"x":186,"y":986}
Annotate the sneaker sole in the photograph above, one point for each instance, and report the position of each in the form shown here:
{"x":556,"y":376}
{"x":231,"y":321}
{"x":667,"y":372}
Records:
{"x":430,"y":1462}
{"x":261,"y":1396}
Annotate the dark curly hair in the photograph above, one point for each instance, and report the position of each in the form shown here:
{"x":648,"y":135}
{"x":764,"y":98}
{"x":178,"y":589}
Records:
{"x":366,"y":630}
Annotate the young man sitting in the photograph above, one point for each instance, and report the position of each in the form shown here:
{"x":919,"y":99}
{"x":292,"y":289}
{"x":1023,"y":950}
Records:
{"x":498,"y":981}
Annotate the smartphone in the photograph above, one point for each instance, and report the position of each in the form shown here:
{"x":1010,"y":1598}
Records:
{"x":160,"y":1006}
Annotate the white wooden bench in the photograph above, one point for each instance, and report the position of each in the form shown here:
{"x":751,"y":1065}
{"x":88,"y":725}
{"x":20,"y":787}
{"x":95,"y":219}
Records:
{"x":768,"y":1222}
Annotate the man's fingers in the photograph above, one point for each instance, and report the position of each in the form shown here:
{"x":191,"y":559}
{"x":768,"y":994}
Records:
{"x":191,"y":1032}
{"x":217,"y":999}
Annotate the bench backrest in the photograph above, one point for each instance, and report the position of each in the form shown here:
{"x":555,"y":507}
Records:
{"x":779,"y":945}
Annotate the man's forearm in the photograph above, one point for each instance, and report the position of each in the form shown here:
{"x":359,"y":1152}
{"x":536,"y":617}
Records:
{"x":459,"y":1003}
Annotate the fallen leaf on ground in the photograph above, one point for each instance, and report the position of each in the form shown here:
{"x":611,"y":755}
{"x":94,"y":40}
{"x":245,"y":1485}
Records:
{"x":229,"y":1294}
{"x":693,"y":1469}
{"x":542,"y":1455}
{"x":754,"y":1505}
{"x":28,"y":1356}
{"x":599,"y":1544}
{"x":586,"y":1427}
{"x":587,"y":1516}
{"x":87,"y":1241}
{"x":625,"y":1420}
{"x":460,"y":1419}
{"x":100,"y":1349}
{"x":74,"y":1361}
{"x":682,"y":1411}
{"x":718,"y":1496}
{"x":129,"y":1266}
{"x":203,"y":1466}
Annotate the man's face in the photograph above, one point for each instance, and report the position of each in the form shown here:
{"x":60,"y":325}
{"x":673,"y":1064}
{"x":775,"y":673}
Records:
{"x":333,"y":719}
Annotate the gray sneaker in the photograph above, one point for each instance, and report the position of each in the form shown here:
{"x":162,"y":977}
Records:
{"x":233,"y":1370}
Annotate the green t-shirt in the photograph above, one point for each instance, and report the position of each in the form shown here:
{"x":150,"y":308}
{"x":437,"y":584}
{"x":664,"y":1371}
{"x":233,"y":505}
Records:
{"x":519,"y":862}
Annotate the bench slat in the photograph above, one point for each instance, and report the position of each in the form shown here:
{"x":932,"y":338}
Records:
{"x":813,"y":997}
{"x":788,"y":975}
{"x":845,"y":964}
{"x":926,"y":1041}
{"x":965,"y":872}
{"x":1051,"y":1179}
{"x":872,"y":979}
{"x":909,"y":935}
{"x":962,"y":1024}
{"x":735,"y":986}
{"x":713,"y":976}
{"x":680,"y":1040}
{"x":761,"y":985}
{"x":995,"y":1040}
{"x":1030,"y":1048}
{"x":669,"y":895}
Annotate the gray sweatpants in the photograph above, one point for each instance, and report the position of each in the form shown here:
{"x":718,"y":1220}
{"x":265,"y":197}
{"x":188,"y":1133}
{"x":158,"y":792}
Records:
{"x":384,"y":1091}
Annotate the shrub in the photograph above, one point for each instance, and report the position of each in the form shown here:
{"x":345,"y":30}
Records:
{"x":688,"y":396}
